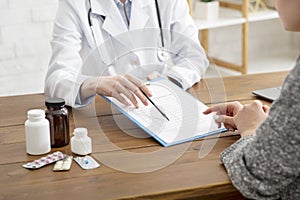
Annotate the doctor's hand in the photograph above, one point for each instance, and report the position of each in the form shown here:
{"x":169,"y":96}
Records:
{"x":250,"y":117}
{"x":117,"y":86}
{"x":225,"y":113}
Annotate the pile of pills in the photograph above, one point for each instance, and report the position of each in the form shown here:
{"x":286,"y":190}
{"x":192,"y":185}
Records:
{"x":51,"y":158}
{"x":62,"y":162}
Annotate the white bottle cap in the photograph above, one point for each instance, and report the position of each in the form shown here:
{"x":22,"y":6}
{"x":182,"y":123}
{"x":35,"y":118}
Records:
{"x":80,"y":132}
{"x":36,"y":113}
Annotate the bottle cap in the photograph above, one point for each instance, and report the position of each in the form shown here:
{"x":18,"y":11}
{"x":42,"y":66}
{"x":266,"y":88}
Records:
{"x":81,"y":132}
{"x":35,"y":113}
{"x":55,"y":102}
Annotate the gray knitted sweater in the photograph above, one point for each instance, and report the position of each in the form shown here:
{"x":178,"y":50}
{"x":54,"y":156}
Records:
{"x":267,"y":166}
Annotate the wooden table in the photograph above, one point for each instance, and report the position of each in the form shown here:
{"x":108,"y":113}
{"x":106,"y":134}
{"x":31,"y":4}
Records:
{"x":189,"y":176}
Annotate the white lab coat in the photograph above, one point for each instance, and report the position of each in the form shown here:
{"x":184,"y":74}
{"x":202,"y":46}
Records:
{"x":76,"y":58}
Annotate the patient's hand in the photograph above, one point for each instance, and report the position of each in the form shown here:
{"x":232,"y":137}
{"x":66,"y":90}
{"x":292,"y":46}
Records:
{"x":225,"y":113}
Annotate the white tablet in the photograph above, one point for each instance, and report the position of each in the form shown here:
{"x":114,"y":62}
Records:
{"x":268,"y":93}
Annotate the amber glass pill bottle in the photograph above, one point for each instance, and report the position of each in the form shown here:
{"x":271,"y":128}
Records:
{"x":58,"y":117}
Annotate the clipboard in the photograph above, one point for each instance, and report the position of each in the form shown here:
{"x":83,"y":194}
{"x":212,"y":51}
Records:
{"x":187,"y":121}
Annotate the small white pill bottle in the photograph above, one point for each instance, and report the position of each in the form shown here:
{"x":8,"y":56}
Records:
{"x":37,"y":133}
{"x":81,"y":144}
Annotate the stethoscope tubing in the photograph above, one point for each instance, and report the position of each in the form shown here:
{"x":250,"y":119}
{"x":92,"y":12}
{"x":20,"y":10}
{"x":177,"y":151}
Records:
{"x":159,"y":24}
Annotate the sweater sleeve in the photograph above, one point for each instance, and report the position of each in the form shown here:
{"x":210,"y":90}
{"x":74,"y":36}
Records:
{"x":267,"y":166}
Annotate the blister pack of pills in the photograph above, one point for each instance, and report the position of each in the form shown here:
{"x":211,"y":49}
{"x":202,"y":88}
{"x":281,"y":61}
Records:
{"x":63,"y":165}
{"x":51,"y":158}
{"x":87,"y":162}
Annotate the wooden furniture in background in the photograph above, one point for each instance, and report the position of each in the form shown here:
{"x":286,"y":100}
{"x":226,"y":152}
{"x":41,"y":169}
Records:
{"x":190,"y":2}
{"x":233,"y":13}
{"x":255,"y":5}
{"x":189,"y":177}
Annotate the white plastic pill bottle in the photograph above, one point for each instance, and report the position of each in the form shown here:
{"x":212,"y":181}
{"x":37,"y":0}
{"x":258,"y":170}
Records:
{"x":81,"y":144}
{"x":37,"y":133}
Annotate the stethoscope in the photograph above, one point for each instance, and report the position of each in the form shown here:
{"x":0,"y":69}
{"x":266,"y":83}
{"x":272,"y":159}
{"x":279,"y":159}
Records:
{"x":162,"y":54}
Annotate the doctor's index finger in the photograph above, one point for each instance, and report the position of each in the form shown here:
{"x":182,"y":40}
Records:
{"x":122,"y":88}
{"x":134,"y":90}
{"x":120,"y":98}
{"x":139,"y":83}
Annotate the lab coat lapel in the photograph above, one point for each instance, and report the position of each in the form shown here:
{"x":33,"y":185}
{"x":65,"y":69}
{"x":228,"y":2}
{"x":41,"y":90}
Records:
{"x":113,"y":23}
{"x":112,"y":27}
{"x":115,"y":26}
{"x":139,"y":14}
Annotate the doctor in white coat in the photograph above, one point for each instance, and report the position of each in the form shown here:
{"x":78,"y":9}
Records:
{"x":111,"y":47}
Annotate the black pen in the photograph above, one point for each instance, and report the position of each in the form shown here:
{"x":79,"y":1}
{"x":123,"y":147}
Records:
{"x":161,"y":112}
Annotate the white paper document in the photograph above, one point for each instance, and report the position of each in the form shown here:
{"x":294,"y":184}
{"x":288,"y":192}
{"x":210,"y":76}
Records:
{"x":186,"y":119}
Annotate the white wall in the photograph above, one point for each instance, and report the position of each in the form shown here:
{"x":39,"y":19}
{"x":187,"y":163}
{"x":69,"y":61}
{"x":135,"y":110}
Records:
{"x":266,"y":39}
{"x":25,"y":32}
